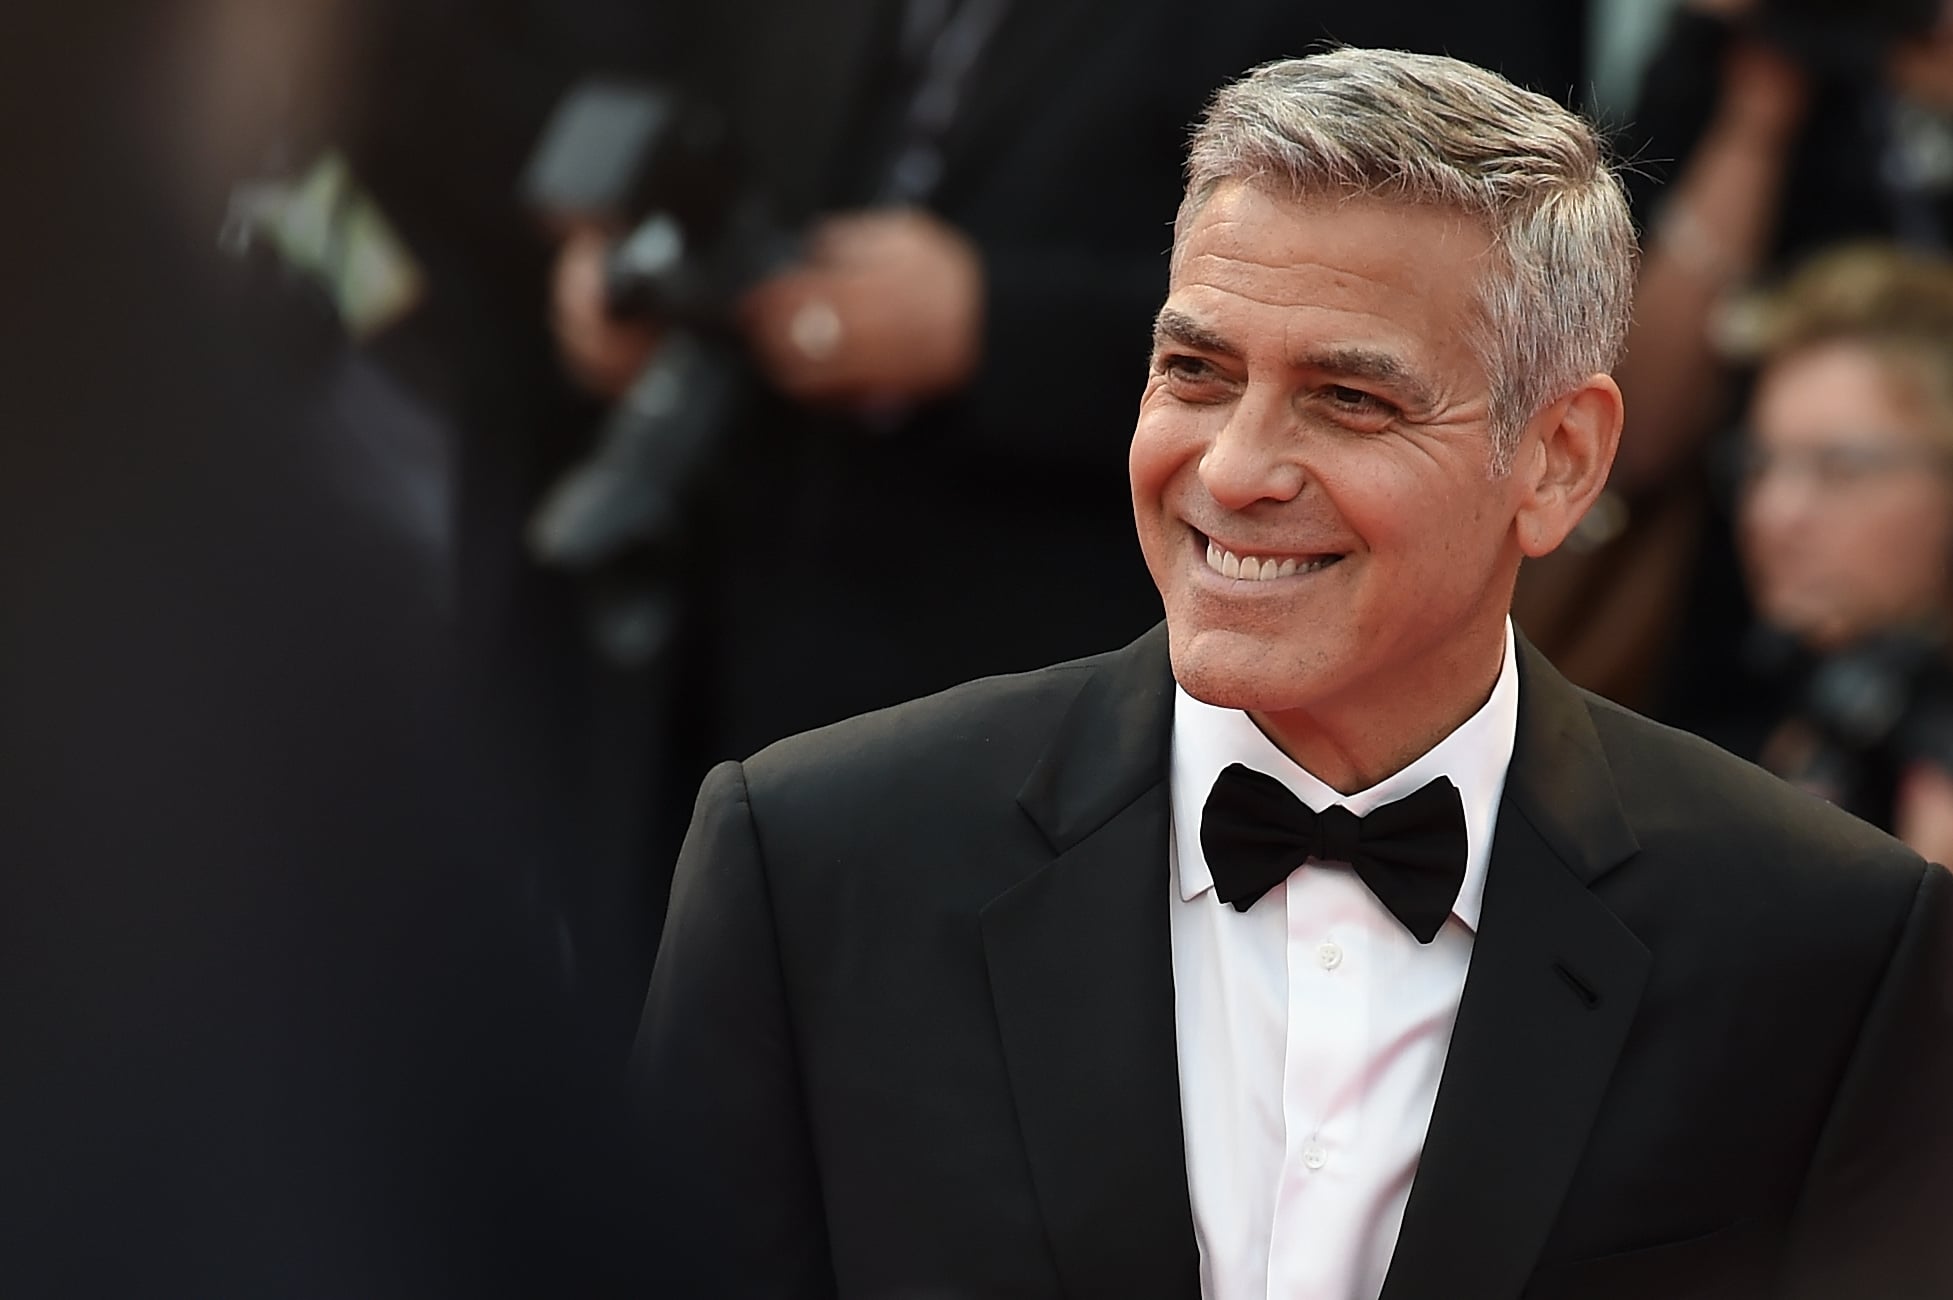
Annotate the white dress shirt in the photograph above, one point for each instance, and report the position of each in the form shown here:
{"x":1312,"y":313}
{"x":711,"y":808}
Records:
{"x":1312,"y":1028}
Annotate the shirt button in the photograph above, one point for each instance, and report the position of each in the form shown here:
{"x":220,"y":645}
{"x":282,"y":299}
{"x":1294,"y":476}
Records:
{"x":1329,"y":955}
{"x":1314,"y":1156}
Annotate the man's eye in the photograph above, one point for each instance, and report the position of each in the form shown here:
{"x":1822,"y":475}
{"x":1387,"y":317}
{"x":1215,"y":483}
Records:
{"x":1357,"y":407}
{"x":1183,"y":367}
{"x":1355,"y":399}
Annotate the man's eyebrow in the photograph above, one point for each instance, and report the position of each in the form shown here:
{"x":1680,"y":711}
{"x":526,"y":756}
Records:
{"x":1378,"y":367}
{"x":1374,"y":365}
{"x":1174,"y":326}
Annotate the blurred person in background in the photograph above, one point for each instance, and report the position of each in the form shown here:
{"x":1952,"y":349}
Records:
{"x":1764,"y":131}
{"x":874,"y":513}
{"x":1845,"y":525}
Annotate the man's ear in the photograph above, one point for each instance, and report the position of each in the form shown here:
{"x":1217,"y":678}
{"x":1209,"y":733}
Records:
{"x":1564,"y":462}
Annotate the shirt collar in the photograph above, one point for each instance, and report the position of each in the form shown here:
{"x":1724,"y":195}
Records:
{"x":1475,"y":756}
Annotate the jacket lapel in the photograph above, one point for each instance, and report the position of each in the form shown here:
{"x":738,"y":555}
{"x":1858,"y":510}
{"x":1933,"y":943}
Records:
{"x":1554,"y":982}
{"x":1081,"y":973}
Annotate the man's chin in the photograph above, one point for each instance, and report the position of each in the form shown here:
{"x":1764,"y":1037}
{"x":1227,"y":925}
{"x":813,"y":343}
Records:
{"x":1236,"y":670}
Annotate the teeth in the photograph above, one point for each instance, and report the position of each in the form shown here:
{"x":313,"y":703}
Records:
{"x":1249,"y":568}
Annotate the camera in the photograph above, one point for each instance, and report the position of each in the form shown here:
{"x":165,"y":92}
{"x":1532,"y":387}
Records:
{"x":663,"y":166}
{"x":1865,"y":714}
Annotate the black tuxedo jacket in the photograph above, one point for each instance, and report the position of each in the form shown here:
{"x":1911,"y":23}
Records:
{"x":911,"y":1032}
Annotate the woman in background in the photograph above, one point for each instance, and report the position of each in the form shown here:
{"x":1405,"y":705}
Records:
{"x":1845,"y":528}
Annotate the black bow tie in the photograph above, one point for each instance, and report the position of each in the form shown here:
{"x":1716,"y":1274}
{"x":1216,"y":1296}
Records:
{"x":1410,"y":853}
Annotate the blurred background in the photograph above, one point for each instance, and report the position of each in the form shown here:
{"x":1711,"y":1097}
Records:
{"x":435,"y":431}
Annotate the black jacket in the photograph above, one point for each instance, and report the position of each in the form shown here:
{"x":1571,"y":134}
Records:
{"x":911,"y":1029}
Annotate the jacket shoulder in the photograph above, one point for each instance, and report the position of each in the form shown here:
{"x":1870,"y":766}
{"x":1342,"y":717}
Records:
{"x":1685,"y":795}
{"x":984,"y":735}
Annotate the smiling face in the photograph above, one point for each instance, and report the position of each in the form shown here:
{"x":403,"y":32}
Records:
{"x":1312,"y":476}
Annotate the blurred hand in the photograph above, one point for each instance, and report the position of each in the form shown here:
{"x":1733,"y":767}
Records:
{"x":1764,"y":92}
{"x":1923,"y":812}
{"x":887,"y":307}
{"x":1921,"y":69}
{"x":601,"y":352}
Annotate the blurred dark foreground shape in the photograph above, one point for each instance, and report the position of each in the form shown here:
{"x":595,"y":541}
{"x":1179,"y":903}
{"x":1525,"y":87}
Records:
{"x":281,"y":1013}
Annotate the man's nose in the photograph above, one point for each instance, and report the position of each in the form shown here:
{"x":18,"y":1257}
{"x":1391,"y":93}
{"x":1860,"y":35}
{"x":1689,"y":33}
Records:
{"x":1258,"y":454}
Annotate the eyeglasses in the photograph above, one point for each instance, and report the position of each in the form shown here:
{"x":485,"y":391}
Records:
{"x":1838,"y":466}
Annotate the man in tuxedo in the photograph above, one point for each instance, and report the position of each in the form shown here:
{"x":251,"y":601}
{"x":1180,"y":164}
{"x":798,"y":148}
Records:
{"x":1324,"y":942}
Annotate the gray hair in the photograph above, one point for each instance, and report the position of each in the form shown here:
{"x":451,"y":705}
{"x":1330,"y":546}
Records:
{"x":1554,"y":301}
